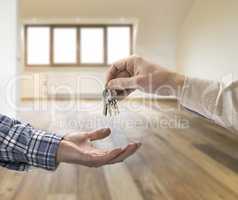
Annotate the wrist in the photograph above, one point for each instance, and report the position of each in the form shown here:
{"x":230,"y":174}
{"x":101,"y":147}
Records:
{"x":66,"y":152}
{"x":60,"y":156}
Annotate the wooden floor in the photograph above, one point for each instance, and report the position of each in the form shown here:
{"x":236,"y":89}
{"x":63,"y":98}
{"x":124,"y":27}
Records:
{"x":183,"y":156}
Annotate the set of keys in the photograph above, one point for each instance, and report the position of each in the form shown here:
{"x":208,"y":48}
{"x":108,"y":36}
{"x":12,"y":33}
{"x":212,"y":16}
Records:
{"x":110,"y":102}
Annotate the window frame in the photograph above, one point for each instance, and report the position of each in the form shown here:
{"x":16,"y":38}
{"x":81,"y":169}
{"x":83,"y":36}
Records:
{"x":78,"y":45}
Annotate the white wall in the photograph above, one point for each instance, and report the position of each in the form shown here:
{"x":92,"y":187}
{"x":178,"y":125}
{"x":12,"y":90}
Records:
{"x":7,"y":54}
{"x":158,"y":22}
{"x":208,"y":41}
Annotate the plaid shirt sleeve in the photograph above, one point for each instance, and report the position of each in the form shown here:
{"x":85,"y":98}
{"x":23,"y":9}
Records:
{"x":22,"y":146}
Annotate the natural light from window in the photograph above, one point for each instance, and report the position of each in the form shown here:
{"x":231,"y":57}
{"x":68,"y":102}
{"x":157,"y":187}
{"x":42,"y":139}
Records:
{"x":118,"y":43}
{"x":65,"y":45}
{"x":38,"y":46}
{"x":77,"y":45}
{"x":92,"y":46}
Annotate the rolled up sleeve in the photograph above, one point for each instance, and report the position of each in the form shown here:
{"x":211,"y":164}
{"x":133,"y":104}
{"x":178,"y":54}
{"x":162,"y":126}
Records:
{"x":215,"y":100}
{"x":22,"y":146}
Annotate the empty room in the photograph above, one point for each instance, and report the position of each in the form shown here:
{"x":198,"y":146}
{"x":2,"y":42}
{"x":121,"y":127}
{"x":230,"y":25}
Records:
{"x":119,"y":100}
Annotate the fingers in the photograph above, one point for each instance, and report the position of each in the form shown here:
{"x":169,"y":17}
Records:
{"x":123,"y":65}
{"x":128,"y":151}
{"x":123,"y":83}
{"x":116,"y":155}
{"x":121,"y":94}
{"x":107,"y":157}
{"x":111,"y":73}
{"x":115,"y":70}
{"x":99,"y":134}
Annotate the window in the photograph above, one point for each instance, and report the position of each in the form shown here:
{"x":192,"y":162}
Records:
{"x":38,"y":46}
{"x":77,"y":45}
{"x":118,"y":43}
{"x":65,"y":45}
{"x":92,"y":45}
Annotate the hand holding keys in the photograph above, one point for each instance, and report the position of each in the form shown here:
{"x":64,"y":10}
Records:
{"x":110,"y":102}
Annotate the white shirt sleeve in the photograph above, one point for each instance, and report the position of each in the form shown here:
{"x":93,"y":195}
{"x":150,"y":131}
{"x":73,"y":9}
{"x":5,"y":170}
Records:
{"x":217,"y":101}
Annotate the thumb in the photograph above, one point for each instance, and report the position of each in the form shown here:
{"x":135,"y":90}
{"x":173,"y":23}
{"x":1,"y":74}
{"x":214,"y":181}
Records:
{"x":123,"y":83}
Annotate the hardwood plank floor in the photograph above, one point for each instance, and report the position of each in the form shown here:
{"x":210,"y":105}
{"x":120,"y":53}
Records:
{"x":183,"y":156}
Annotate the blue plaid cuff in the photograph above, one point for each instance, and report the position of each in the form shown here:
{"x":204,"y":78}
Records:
{"x":42,"y":150}
{"x":22,"y":146}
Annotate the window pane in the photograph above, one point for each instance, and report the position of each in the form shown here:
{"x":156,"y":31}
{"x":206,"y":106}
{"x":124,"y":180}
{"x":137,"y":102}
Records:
{"x":118,"y":43}
{"x":65,"y":45}
{"x":38,"y":45}
{"x":91,"y":50}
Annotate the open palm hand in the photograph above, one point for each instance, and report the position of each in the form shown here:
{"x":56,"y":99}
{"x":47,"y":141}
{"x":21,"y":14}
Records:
{"x":77,"y":148}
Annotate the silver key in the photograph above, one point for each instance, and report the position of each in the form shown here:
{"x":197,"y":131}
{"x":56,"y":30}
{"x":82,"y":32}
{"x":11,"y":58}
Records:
{"x":105,"y":108}
{"x":105,"y":103}
{"x":110,"y":102}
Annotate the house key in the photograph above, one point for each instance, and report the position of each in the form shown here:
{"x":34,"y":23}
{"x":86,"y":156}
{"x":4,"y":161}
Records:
{"x":110,"y":102}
